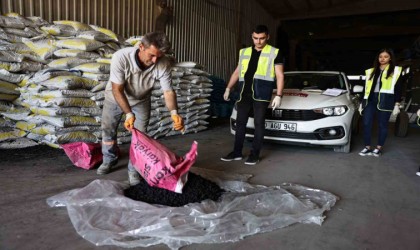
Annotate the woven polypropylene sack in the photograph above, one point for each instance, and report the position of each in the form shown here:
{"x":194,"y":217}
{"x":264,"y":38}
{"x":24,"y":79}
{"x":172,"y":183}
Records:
{"x":158,"y":165}
{"x":83,"y":155}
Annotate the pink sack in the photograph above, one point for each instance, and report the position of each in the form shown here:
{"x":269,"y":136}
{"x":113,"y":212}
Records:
{"x":82,"y":154}
{"x":158,"y":165}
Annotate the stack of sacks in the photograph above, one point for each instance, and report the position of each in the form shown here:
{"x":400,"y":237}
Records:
{"x":66,"y":99}
{"x":63,"y":101}
{"x":10,"y":136}
{"x":134,"y":40}
{"x":17,"y":64}
{"x":218,"y":106}
{"x":84,"y":48}
{"x":14,"y":29}
{"x":61,"y":105}
{"x":193,"y":88}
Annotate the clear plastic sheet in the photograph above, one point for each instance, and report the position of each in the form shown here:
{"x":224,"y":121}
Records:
{"x":102,"y":215}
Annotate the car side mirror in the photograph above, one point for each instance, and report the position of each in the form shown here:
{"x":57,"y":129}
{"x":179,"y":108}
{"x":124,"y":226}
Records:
{"x":357,"y":89}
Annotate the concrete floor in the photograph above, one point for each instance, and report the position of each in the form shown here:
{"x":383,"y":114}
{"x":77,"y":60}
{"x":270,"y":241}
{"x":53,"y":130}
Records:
{"x":379,"y":206}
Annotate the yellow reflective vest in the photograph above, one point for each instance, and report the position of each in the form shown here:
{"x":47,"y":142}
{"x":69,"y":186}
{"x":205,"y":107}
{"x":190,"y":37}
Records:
{"x":264,"y":77}
{"x":386,"y":98}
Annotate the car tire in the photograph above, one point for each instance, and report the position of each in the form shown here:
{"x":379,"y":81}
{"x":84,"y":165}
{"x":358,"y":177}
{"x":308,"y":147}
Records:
{"x":346,"y":148}
{"x":401,"y":124}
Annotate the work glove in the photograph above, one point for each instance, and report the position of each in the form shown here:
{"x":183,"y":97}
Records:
{"x":177,"y":120}
{"x":396,"y":110}
{"x":130,"y":118}
{"x":226,"y":94}
{"x":276,"y":102}
{"x":360,"y":109}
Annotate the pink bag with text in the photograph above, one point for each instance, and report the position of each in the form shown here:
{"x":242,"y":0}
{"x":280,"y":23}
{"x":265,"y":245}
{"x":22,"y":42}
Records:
{"x":82,"y":154}
{"x":158,"y":165}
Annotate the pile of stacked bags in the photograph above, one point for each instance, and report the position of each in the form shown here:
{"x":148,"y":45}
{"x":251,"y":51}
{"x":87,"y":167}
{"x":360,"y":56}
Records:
{"x":53,"y":77}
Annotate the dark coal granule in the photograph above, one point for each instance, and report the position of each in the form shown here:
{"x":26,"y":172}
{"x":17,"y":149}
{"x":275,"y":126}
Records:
{"x":196,"y":189}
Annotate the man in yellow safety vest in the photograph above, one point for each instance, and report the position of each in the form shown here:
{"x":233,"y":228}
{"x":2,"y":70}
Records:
{"x":260,"y":68}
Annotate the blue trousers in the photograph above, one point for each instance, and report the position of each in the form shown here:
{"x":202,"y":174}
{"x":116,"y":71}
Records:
{"x":369,"y":113}
{"x":243,"y":109}
{"x":111,"y":118}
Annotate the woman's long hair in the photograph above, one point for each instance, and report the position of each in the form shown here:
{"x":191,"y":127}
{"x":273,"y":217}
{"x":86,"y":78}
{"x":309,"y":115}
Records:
{"x":391,"y":63}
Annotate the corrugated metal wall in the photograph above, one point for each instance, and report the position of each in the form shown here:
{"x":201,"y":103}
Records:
{"x":209,"y":32}
{"x":124,"y":17}
{"x":205,"y":32}
{"x":252,"y":15}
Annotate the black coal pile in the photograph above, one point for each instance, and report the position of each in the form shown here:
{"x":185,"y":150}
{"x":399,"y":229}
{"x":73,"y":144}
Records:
{"x":196,"y":189}
{"x":30,"y":153}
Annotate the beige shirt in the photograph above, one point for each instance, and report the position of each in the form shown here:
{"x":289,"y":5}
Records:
{"x":138,"y":83}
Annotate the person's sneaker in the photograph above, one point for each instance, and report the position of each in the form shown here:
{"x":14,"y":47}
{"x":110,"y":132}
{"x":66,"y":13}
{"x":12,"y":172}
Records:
{"x":105,"y":167}
{"x":231,"y":157}
{"x":365,"y":151}
{"x":133,"y":178}
{"x":377,"y":152}
{"x":252,"y":160}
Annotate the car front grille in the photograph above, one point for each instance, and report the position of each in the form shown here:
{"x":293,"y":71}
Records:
{"x":285,"y":134}
{"x":291,"y":115}
{"x":319,"y":134}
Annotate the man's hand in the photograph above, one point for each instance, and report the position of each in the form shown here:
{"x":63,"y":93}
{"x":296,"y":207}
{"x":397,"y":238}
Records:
{"x":396,"y":110}
{"x":178,"y":121}
{"x":276,"y":102}
{"x":130,"y":118}
{"x":360,"y":109}
{"x":226,"y":94}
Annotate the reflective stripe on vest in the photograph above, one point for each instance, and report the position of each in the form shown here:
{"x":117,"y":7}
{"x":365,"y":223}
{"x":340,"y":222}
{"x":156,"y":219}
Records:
{"x":265,"y":68}
{"x":388,"y":84}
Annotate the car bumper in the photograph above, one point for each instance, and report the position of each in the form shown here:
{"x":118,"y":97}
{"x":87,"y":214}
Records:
{"x":327,"y":131}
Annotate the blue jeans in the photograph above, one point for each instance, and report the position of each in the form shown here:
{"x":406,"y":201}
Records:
{"x":243,"y":109}
{"x":111,"y":118}
{"x":368,"y":116}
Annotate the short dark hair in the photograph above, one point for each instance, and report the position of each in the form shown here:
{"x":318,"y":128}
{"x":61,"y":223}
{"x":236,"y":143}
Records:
{"x":260,"y":29}
{"x":157,"y":39}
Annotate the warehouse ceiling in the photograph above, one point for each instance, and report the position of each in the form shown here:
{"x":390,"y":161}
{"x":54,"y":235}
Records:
{"x":344,"y":34}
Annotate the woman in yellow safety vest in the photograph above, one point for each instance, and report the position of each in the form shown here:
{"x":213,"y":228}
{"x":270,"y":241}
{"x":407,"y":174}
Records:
{"x":382,"y":96}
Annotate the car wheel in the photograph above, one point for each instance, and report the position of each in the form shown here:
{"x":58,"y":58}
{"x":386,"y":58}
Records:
{"x":401,"y":124}
{"x":347,"y":147}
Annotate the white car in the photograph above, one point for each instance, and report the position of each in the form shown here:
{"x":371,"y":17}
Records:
{"x":317,"y":108}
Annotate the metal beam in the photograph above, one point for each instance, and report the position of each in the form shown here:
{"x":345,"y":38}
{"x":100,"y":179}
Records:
{"x":368,"y":31}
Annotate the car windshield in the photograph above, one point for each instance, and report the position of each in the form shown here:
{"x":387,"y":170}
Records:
{"x":320,"y":81}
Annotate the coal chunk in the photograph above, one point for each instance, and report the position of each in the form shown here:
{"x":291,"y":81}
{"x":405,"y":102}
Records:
{"x":196,"y":189}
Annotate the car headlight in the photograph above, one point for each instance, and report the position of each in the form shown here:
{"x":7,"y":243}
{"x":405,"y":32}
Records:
{"x":339,"y":110}
{"x":331,"y":111}
{"x":328,"y":111}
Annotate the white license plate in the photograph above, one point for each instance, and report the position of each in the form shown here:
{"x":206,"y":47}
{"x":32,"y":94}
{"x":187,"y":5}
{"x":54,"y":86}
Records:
{"x":280,"y":126}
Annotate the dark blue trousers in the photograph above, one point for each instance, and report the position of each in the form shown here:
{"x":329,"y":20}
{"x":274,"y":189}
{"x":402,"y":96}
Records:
{"x":382,"y":117}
